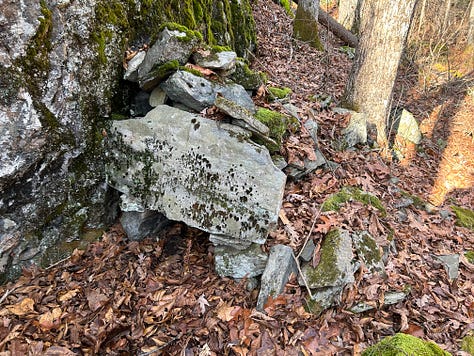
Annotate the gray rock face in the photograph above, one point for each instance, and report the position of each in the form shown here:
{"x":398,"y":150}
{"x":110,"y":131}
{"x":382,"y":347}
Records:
{"x":60,"y":66}
{"x":240,"y":263}
{"x":280,"y":265}
{"x":131,"y":74}
{"x":188,"y":168}
{"x":170,"y":45}
{"x":138,"y":225}
{"x":199,"y":93}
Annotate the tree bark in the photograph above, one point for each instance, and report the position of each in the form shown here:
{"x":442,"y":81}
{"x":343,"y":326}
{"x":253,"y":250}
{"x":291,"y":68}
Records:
{"x":340,"y":31}
{"x":470,"y":33}
{"x":348,"y":14}
{"x":384,"y":29}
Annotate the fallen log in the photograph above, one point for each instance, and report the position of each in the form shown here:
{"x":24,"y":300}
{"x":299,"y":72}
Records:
{"x":340,"y":31}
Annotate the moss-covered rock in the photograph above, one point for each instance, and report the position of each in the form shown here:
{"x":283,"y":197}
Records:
{"x":305,"y":24}
{"x":464,"y":217}
{"x":347,"y":194}
{"x":64,"y":77}
{"x":403,"y":344}
{"x":278,"y":124}
{"x":279,"y":93}
{"x":246,"y":77}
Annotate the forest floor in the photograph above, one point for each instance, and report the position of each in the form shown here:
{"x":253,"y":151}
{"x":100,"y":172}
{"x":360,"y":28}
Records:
{"x":121,"y":297}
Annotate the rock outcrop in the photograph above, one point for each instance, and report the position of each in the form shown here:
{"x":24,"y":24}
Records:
{"x":60,"y":70}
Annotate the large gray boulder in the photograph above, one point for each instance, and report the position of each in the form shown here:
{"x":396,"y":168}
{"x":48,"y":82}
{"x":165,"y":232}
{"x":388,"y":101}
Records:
{"x":192,"y":170}
{"x":198,"y":93}
{"x":60,"y":68}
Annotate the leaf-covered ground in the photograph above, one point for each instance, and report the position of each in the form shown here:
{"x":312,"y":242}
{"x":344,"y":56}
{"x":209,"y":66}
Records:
{"x":120,"y":297}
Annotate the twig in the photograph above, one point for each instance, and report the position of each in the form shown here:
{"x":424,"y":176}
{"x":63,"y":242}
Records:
{"x":310,"y":231}
{"x":302,"y":277}
{"x":5,"y":295}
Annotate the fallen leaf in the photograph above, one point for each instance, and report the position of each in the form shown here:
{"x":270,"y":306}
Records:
{"x":23,"y":307}
{"x":50,"y":320}
{"x":202,"y":303}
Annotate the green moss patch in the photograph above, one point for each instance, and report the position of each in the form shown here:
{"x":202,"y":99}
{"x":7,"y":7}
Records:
{"x":464,"y":217}
{"x":190,"y":34}
{"x":346,"y":194}
{"x":279,"y":93}
{"x":402,"y":345}
{"x":469,"y":256}
{"x":246,"y":77}
{"x":278,"y":124}
{"x":467,"y":344}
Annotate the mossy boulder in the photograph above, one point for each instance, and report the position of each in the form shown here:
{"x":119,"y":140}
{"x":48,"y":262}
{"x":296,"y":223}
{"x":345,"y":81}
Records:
{"x":403,"y":344}
{"x":305,"y":24}
{"x":279,"y":93}
{"x":346,"y":194}
{"x":59,"y":88}
{"x":246,"y":77}
{"x":278,"y":124}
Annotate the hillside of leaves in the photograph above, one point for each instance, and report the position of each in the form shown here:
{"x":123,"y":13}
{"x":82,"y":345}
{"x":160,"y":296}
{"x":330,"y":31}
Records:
{"x":120,"y":297}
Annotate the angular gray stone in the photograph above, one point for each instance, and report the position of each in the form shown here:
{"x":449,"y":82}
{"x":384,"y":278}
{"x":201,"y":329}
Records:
{"x":169,"y":46}
{"x":368,"y":251}
{"x":323,"y":298}
{"x":451,"y":264}
{"x":191,"y":170}
{"x":408,"y":127}
{"x":131,"y":73}
{"x":238,"y":112}
{"x":356,"y":131}
{"x":280,"y":265}
{"x":224,"y":60}
{"x":138,"y":225}
{"x":308,"y":250}
{"x":335,"y":266}
{"x":157,"y":97}
{"x":234,"y":263}
{"x":140,"y":105}
{"x":199,"y":93}
{"x":298,"y":172}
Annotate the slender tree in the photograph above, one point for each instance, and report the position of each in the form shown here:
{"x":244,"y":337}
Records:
{"x":348,"y":14}
{"x":470,"y":33}
{"x":383,"y":31}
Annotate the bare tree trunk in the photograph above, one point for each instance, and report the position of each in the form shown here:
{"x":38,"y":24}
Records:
{"x":470,"y":33}
{"x":446,"y":17}
{"x":384,"y":29}
{"x":422,"y":15}
{"x":347,"y":13}
{"x":305,"y":24}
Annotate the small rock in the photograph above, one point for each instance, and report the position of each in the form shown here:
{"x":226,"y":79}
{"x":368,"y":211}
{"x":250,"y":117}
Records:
{"x":280,"y":265}
{"x":131,"y":74}
{"x":198,"y":93}
{"x":139,"y":225}
{"x":157,"y":97}
{"x":408,"y":127}
{"x":235,"y":263}
{"x":279,"y":161}
{"x":312,"y":128}
{"x":168,"y":47}
{"x":451,"y":264}
{"x":309,"y":166}
{"x":356,"y":131}
{"x":222,"y":240}
{"x":223,"y":61}
{"x":238,"y":112}
{"x":368,"y":251}
{"x":335,"y":266}
{"x":308,"y":250}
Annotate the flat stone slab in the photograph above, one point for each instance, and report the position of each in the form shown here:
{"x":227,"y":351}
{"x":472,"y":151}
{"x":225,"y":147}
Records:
{"x":280,"y":265}
{"x":191,"y":170}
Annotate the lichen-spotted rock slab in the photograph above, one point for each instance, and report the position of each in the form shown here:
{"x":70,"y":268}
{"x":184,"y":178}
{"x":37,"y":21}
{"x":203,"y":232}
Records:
{"x":194,"y":171}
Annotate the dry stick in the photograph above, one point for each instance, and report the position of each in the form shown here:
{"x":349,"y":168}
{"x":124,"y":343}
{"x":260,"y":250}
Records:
{"x":310,"y":232}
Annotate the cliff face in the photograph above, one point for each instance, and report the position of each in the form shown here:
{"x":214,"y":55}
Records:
{"x":60,"y":82}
